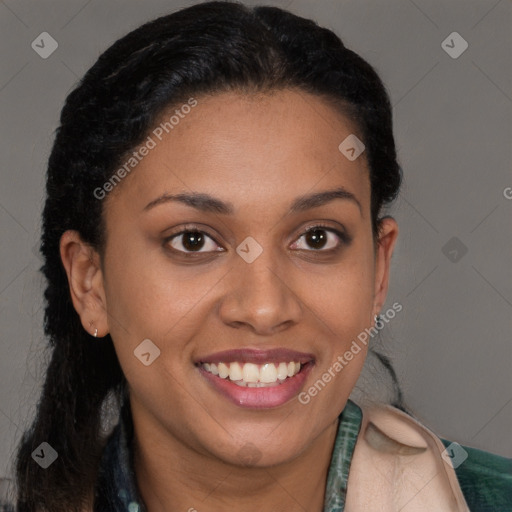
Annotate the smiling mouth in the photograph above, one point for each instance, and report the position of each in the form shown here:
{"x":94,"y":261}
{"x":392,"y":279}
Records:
{"x":254,"y":375}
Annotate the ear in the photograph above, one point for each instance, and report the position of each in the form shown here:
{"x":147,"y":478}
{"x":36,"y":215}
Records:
{"x":388,"y":234}
{"x":85,"y":278}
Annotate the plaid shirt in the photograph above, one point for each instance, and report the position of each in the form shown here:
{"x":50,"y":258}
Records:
{"x":485,"y":479}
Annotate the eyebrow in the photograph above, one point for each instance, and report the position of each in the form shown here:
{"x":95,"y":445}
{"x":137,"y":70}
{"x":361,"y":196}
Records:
{"x":207,"y":203}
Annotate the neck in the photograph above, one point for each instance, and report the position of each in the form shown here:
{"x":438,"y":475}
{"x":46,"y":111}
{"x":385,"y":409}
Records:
{"x":173,"y":477}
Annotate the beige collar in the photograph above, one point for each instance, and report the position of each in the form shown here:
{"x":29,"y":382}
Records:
{"x":397,"y":466}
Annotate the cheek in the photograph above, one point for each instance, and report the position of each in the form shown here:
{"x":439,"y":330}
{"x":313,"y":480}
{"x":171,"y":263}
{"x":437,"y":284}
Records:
{"x":347,"y":294}
{"x":344,"y":303}
{"x":144,"y":294}
{"x":149,"y":297}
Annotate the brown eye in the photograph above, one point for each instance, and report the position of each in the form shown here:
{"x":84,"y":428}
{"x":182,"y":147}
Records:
{"x":322,"y":239}
{"x":316,"y":238}
{"x":192,"y":241}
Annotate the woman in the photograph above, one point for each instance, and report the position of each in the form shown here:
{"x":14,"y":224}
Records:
{"x":215,"y":254}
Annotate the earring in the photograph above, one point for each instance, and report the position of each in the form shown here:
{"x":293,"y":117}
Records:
{"x":95,"y":330}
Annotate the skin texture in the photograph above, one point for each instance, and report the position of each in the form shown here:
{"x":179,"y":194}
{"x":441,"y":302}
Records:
{"x":258,"y":152}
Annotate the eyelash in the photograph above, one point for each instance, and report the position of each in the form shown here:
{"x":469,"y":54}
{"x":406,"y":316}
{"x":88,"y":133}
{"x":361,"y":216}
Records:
{"x":344,"y":238}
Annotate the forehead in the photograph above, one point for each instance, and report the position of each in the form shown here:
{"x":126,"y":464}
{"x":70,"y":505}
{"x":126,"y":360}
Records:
{"x":251,"y":149}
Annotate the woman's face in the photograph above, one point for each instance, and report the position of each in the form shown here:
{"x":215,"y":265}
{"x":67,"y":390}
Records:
{"x":252,"y":287}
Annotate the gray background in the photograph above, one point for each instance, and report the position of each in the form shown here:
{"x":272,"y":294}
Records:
{"x":452,"y":342}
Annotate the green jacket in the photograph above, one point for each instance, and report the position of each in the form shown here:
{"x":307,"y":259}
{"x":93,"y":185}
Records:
{"x":484,"y":479}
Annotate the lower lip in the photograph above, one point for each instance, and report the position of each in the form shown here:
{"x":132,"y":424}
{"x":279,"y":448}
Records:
{"x":259,"y":398}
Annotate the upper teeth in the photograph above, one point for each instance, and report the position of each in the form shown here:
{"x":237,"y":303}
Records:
{"x":251,"y":374}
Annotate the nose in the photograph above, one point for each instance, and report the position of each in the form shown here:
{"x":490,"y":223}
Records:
{"x":260,"y":297}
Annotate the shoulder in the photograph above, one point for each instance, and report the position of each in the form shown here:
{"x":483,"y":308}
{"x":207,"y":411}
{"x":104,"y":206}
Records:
{"x":409,"y":468}
{"x":485,"y":478}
